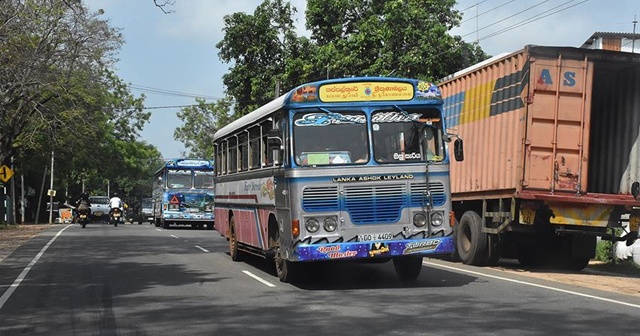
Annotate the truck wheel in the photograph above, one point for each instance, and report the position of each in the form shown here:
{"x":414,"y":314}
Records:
{"x":165,"y":224}
{"x":471,"y":242}
{"x":407,"y":268}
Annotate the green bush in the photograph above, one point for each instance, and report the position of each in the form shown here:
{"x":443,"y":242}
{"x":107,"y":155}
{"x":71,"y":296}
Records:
{"x":603,"y":251}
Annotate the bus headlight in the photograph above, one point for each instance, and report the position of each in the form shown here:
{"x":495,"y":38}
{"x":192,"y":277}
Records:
{"x":312,"y":225}
{"x":437,"y":219}
{"x":419,"y":219}
{"x":330,"y":224}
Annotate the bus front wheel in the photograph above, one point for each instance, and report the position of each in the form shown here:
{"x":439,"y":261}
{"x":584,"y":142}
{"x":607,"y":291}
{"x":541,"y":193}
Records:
{"x":285,"y":269}
{"x":407,"y":268}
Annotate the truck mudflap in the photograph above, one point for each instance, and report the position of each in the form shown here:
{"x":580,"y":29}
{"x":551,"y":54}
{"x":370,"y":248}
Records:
{"x":442,"y":246}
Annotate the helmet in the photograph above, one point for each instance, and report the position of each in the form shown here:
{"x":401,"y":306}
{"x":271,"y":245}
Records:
{"x":84,"y":195}
{"x":115,"y":194}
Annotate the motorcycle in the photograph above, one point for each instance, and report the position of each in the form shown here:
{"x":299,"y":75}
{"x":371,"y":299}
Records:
{"x":116,"y":216}
{"x":83,"y":218}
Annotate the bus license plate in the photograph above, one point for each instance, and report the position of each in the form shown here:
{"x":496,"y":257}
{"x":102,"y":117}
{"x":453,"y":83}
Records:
{"x":374,"y":236}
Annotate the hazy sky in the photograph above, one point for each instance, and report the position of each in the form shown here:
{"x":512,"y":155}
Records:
{"x":172,"y":58}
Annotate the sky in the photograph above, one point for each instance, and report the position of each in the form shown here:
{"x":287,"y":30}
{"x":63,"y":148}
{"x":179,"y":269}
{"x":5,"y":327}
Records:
{"x":172,"y":58}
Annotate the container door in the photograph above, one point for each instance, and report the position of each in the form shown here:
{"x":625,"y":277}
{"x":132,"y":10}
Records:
{"x":557,"y":135}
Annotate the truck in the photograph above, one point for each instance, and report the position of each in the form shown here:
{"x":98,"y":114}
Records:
{"x":553,"y":154}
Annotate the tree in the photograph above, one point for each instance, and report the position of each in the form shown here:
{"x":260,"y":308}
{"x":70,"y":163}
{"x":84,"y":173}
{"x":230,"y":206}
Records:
{"x":58,"y":94}
{"x":51,"y":49}
{"x":257,"y":45}
{"x":200,"y":123}
{"x":404,"y":38}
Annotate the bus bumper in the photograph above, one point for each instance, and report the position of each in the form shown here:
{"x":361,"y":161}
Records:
{"x":442,"y":246}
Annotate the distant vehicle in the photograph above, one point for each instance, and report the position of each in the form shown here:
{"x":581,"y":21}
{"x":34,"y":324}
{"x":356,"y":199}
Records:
{"x":99,"y":207}
{"x":183,"y":194}
{"x":146,"y":211}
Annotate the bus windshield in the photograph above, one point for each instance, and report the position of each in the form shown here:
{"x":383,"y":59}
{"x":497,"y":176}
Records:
{"x":408,"y":136}
{"x":179,"y":178}
{"x":329,"y":138}
{"x":203,"y":179}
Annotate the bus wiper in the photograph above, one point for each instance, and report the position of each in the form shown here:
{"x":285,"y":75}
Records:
{"x":408,"y":116}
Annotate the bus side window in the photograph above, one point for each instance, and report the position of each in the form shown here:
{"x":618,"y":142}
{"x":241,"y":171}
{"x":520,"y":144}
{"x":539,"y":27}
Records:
{"x":233,"y":154}
{"x":267,"y":155}
{"x":254,"y":147}
{"x":243,"y":148}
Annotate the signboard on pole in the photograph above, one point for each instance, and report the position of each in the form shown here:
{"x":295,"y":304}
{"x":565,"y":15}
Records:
{"x":5,"y":173}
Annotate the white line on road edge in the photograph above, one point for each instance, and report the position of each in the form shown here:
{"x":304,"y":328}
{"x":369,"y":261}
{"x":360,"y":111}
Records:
{"x":175,"y":236}
{"x":159,"y":230}
{"x":259,"y":279}
{"x":533,"y":285}
{"x":203,"y":249}
{"x":23,"y":275}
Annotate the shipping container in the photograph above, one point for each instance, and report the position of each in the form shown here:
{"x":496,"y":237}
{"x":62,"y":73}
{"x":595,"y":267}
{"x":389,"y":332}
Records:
{"x":552,"y":152}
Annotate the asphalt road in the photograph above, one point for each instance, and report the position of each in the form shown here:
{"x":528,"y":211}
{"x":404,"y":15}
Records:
{"x":140,"y":280}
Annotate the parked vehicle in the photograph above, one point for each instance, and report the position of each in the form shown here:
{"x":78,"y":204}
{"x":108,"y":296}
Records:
{"x":554,"y":134}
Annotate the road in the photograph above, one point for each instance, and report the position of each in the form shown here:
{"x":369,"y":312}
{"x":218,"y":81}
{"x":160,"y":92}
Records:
{"x":140,"y":280}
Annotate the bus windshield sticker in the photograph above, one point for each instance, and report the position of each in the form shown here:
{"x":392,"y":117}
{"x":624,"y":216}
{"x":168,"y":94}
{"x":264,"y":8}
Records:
{"x":393,"y":116}
{"x":329,"y":118}
{"x":428,"y":90}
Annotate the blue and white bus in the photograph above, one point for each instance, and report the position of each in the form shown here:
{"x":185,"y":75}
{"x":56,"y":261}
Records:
{"x":183,"y":194}
{"x":343,"y":169}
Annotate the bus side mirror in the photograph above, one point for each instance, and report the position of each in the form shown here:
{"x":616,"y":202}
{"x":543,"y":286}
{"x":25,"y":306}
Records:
{"x":458,"y":150}
{"x":635,"y":190}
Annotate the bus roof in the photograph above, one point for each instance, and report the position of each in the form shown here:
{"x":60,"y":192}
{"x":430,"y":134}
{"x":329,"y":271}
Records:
{"x":310,"y":93}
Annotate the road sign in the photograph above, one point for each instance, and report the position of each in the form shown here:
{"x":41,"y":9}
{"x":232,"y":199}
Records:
{"x":5,"y":173}
{"x":51,"y":192}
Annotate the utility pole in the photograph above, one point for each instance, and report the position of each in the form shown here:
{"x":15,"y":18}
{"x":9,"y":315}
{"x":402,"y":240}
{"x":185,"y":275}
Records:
{"x":633,"y":37}
{"x":51,"y":191}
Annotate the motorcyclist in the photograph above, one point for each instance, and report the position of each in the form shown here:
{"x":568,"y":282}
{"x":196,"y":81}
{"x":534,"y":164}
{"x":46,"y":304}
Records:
{"x":83,"y":205}
{"x":116,"y":203}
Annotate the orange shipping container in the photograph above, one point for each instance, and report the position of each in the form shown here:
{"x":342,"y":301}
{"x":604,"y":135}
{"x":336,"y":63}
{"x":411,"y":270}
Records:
{"x":552,"y":146}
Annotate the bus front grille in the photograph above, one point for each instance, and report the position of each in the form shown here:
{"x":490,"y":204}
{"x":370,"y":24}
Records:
{"x":376,"y":204}
{"x":437,"y":192}
{"x":371,"y":204}
{"x":320,"y":199}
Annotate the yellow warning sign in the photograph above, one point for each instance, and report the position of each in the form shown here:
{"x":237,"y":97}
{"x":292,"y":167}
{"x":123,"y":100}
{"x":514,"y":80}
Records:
{"x":5,"y":173}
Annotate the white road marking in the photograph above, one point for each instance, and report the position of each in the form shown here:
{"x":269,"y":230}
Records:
{"x":267,"y":283}
{"x":533,"y":284}
{"x":175,"y":236}
{"x":159,"y":230}
{"x":24,"y":272}
{"x":203,"y":249}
